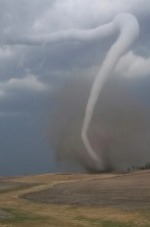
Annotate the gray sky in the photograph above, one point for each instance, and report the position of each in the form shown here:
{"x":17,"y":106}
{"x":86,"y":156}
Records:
{"x":30,"y":76}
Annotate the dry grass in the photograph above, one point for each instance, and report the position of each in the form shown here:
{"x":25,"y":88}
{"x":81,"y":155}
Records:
{"x":26,"y":213}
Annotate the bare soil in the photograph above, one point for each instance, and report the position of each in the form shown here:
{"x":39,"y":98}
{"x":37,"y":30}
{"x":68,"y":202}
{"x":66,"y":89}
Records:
{"x":125,"y":191}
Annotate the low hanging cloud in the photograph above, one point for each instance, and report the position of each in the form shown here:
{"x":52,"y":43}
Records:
{"x":6,"y":53}
{"x":28,"y":83}
{"x":132,"y":66}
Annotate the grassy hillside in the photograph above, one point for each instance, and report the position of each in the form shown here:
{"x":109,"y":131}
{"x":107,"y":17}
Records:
{"x":105,"y":200}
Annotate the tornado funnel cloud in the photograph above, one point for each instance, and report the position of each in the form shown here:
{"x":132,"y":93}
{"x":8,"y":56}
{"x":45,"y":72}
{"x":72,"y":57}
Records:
{"x":128,"y":28}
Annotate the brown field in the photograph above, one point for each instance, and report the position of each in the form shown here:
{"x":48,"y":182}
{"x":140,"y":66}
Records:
{"x":104,"y":200}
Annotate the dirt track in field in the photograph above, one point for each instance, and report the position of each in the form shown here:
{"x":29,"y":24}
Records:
{"x":125,"y":191}
{"x":6,"y":186}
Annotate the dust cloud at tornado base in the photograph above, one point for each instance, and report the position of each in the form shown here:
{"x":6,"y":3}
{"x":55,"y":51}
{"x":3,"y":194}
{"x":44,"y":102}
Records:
{"x":119,"y":131}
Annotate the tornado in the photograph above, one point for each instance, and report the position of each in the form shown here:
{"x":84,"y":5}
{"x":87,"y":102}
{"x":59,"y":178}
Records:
{"x":127,"y":28}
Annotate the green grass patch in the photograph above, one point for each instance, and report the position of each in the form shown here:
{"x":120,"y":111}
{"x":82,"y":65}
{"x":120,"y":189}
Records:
{"x":20,"y":217}
{"x":106,"y":223}
{"x":119,"y":224}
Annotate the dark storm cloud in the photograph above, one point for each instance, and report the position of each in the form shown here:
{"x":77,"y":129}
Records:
{"x":36,"y":17}
{"x":30,"y":75}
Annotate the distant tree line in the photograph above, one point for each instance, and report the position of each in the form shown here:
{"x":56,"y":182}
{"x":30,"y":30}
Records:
{"x":144,"y":167}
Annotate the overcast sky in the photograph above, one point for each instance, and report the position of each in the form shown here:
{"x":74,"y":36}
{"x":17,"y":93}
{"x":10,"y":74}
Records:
{"x":31,"y":75}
